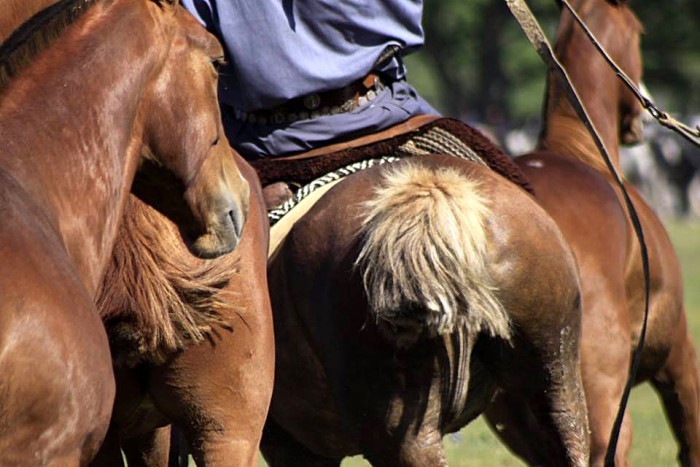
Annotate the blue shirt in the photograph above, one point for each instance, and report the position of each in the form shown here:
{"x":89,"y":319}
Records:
{"x":282,"y":49}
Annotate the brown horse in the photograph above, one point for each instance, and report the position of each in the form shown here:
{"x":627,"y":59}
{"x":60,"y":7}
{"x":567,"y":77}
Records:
{"x":88,"y":91}
{"x":159,"y":303}
{"x":402,"y":298}
{"x":192,"y":341}
{"x":574,"y":186}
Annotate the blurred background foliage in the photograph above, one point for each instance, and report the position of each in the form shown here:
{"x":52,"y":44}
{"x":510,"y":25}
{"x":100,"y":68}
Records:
{"x":477,"y":65}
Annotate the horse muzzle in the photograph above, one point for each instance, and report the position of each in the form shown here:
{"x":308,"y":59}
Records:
{"x":223,"y":233}
{"x":220,"y":198}
{"x":632,"y":131}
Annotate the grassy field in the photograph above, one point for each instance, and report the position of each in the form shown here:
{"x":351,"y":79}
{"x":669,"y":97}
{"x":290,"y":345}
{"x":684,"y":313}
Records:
{"x":653,"y":444}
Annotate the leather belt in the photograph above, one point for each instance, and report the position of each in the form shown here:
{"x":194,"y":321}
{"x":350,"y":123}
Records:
{"x":319,"y":104}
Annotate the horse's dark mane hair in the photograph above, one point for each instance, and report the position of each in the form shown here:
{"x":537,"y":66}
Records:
{"x":36,"y":34}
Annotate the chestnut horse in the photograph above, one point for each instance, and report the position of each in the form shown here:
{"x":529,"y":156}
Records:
{"x":574,"y":186}
{"x":159,"y":303}
{"x":192,"y":341}
{"x":87,"y":95}
{"x":402,"y":298}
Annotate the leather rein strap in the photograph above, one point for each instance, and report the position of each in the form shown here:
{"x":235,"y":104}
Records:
{"x":539,"y":41}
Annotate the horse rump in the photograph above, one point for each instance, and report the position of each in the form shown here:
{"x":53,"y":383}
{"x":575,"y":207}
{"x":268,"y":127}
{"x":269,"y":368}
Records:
{"x":424,"y":255}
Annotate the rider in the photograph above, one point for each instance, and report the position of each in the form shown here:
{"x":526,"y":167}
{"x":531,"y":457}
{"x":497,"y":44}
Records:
{"x":301,"y":74}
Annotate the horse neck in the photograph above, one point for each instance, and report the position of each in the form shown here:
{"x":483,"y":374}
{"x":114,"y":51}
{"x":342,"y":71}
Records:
{"x":70,"y":128}
{"x":598,"y":89}
{"x":15,"y":12}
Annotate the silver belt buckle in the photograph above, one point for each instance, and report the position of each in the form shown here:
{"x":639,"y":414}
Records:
{"x":312,"y":101}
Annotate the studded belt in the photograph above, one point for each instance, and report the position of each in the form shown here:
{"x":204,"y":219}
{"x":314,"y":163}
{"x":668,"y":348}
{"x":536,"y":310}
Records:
{"x":319,"y":104}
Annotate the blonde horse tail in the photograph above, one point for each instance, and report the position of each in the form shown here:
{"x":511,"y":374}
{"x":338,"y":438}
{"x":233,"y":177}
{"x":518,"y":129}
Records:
{"x":424,"y":255}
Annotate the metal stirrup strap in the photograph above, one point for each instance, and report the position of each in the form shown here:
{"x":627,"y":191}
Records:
{"x":691,"y":134}
{"x":539,"y":41}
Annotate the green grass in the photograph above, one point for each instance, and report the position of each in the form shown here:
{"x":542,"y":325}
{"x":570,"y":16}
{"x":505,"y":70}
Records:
{"x":653,"y":443}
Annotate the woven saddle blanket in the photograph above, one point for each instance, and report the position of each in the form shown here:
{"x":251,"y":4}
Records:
{"x":317,"y":171}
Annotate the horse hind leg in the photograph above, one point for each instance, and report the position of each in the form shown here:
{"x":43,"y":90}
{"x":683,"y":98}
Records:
{"x":149,"y":449}
{"x":110,"y":454}
{"x":513,"y":423}
{"x":679,"y":387}
{"x":541,"y":362}
{"x":547,"y":378}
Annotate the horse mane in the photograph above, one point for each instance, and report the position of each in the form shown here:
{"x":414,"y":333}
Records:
{"x":36,"y":35}
{"x":155,"y":297}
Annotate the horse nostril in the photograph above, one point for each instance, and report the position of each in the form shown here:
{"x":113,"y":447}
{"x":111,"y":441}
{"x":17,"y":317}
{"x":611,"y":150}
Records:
{"x":237,"y":219}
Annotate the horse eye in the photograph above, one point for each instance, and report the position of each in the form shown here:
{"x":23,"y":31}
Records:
{"x":218,"y":62}
{"x":216,"y":140}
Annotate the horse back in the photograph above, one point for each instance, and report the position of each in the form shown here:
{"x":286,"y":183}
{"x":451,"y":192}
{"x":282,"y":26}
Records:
{"x":583,"y":204}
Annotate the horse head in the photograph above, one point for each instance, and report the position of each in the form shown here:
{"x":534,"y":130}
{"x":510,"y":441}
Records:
{"x":183,"y":133}
{"x":617,"y":30}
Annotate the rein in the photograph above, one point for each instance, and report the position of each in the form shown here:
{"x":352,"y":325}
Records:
{"x":539,"y":41}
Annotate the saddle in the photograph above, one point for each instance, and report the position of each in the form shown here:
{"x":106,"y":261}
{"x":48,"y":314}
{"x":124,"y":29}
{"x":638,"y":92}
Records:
{"x":317,"y":171}
{"x":422,"y":135}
